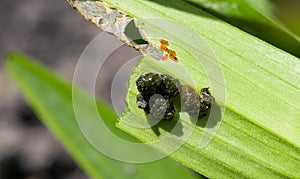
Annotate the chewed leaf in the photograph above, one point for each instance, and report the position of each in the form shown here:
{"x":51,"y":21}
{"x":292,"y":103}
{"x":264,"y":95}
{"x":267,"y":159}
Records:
{"x":51,"y":98}
{"x":247,"y":77}
{"x":239,"y":149}
{"x":255,"y":131}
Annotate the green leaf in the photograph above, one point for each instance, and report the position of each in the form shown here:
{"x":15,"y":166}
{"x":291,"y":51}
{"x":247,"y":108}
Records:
{"x":252,"y":16}
{"x":243,"y":59}
{"x":241,"y":149}
{"x":259,"y":135}
{"x":255,"y":17}
{"x":51,"y":98}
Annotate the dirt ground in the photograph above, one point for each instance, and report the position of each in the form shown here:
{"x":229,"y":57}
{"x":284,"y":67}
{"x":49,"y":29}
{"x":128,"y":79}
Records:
{"x":53,"y":33}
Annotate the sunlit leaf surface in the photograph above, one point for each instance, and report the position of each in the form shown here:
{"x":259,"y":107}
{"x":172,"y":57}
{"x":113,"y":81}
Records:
{"x":51,"y":98}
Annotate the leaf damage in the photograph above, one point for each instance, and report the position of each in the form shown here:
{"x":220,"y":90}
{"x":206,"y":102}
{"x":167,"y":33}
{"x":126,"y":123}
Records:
{"x":121,"y":25}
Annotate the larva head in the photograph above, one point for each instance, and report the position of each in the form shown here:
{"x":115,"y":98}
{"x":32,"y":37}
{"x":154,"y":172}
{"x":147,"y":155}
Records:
{"x":148,"y":83}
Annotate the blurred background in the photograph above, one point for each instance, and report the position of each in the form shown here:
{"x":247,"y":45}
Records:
{"x":55,"y":34}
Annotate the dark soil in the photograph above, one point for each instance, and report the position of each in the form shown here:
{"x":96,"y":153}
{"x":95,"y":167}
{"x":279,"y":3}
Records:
{"x":52,"y":32}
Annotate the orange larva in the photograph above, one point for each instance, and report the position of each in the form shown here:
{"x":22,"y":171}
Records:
{"x":173,"y":58}
{"x":164,"y":42}
{"x":165,"y":57}
{"x":171,"y":52}
{"x":163,"y":48}
{"x":168,"y":52}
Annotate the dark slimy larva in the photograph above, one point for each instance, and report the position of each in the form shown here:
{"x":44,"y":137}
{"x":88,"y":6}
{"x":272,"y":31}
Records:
{"x":161,"y":108}
{"x":190,"y":101}
{"x":157,"y":94}
{"x":148,"y":83}
{"x":165,"y":86}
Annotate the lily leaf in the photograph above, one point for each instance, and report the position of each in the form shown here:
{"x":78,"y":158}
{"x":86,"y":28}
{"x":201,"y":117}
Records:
{"x":259,"y":134}
{"x":51,"y":98}
{"x":255,"y":17}
{"x":240,"y":149}
{"x":252,"y":16}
